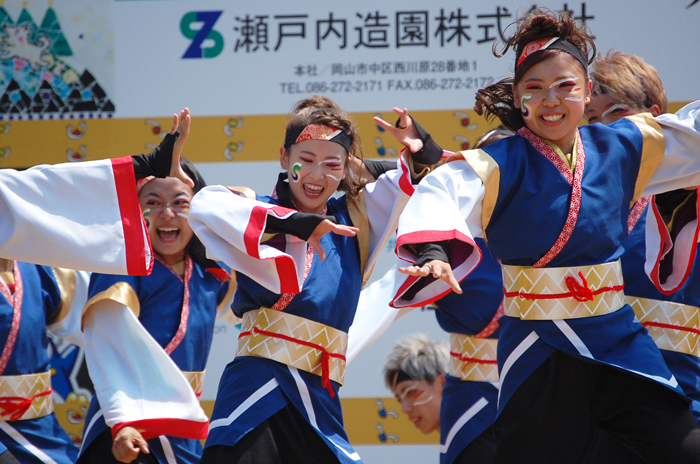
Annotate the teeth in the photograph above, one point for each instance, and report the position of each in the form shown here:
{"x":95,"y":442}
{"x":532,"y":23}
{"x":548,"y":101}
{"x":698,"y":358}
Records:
{"x":168,"y":229}
{"x":553,"y":117}
{"x":315,"y":188}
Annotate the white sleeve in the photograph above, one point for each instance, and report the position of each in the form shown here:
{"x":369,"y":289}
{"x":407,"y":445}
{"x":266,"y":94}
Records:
{"x":447,"y":205}
{"x":680,"y":166}
{"x":232,"y":227}
{"x":373,"y":315}
{"x":136,"y":382}
{"x":75,"y":215}
{"x":68,"y":327}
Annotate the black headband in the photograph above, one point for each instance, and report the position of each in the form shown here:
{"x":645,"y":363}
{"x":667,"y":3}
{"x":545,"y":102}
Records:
{"x":318,"y":132}
{"x":552,"y":43}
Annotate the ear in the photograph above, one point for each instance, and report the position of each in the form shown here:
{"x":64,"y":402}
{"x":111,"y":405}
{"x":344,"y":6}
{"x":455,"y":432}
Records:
{"x":589,"y":89}
{"x":284,"y":158}
{"x":442,"y":380}
{"x":516,"y":98}
{"x":655,"y":110}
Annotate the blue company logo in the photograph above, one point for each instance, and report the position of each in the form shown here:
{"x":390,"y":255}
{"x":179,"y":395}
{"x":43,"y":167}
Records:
{"x":198,"y":35}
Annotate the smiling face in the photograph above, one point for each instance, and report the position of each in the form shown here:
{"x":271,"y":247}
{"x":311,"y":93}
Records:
{"x":166,"y":203}
{"x":552,"y":96}
{"x":421,"y":400}
{"x":315,"y":168}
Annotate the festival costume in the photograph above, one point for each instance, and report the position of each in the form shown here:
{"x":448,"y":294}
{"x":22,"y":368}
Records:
{"x":147,"y":340}
{"x":667,"y":304}
{"x":75,"y":215}
{"x":33,"y":297}
{"x":559,"y":234}
{"x":296,"y":309}
{"x":470,"y":395}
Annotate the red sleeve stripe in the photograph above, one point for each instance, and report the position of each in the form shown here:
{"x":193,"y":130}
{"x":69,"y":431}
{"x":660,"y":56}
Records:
{"x":132,"y":218}
{"x":405,"y":182}
{"x":152,"y":428}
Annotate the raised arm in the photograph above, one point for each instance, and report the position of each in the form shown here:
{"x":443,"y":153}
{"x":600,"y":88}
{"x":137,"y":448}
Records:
{"x":446,"y":209}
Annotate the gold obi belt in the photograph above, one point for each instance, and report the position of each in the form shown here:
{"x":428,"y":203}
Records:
{"x":673,"y":326}
{"x":473,"y":358}
{"x":563,"y":292}
{"x":295,"y":341}
{"x":196,"y":380}
{"x":26,"y":396}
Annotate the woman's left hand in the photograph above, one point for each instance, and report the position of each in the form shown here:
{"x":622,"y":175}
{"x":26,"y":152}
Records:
{"x":181,"y":125}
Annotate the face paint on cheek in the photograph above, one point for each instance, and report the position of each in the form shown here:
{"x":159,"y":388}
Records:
{"x":423,"y":401}
{"x":618,"y":106}
{"x":575,"y":94}
{"x":296,"y":169}
{"x":525,"y":107}
{"x":336,"y":173}
{"x":147,"y":217}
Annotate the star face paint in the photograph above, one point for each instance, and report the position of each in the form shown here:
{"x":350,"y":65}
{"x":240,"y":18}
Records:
{"x":296,"y":169}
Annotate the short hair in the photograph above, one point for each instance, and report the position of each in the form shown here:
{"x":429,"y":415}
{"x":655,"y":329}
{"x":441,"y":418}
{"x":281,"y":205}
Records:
{"x":629,"y":79}
{"x":418,"y":358}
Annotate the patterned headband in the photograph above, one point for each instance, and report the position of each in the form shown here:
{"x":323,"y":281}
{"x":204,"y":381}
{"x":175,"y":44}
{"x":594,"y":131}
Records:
{"x":318,"y":132}
{"x":551,"y":43}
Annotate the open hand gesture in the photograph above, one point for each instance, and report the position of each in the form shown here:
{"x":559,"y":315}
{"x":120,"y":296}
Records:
{"x":406,"y":133}
{"x":181,"y":125}
{"x":439,"y":270}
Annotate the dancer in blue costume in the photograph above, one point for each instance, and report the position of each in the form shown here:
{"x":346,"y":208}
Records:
{"x":278,"y":399}
{"x":470,"y":396}
{"x":553,"y":203}
{"x":32,"y":298}
{"x":624,"y":85}
{"x":148,"y":339}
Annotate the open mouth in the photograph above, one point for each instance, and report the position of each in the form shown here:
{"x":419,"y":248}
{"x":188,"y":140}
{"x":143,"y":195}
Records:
{"x":313,"y":190}
{"x":168,"y":234}
{"x":553,"y":117}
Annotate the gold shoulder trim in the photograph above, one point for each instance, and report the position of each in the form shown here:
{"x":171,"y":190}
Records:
{"x":244,"y":192}
{"x":66,"y":285}
{"x":120,"y":292}
{"x":358,"y":215}
{"x":490,"y":174}
{"x":653,"y":149}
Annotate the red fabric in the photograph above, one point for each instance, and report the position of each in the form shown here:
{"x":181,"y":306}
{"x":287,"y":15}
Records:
{"x":132,"y":218}
{"x":666,"y":245}
{"x":670,"y":326}
{"x":325,"y":378}
{"x":430,"y":237}
{"x":471,"y":360}
{"x":16,"y":406}
{"x":405,"y":182}
{"x":575,"y":181}
{"x":286,"y":270}
{"x":493,"y":325}
{"x":151,"y":428}
{"x":636,"y":212}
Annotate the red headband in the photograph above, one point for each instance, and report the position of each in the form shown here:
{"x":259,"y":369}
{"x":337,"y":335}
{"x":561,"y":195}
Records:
{"x":535,"y":46}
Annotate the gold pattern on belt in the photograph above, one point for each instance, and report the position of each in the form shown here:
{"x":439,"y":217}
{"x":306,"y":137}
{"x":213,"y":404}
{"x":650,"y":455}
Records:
{"x":26,"y":396}
{"x":294,"y":341}
{"x":473,"y":358}
{"x":563,"y":292}
{"x":673,"y":326}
